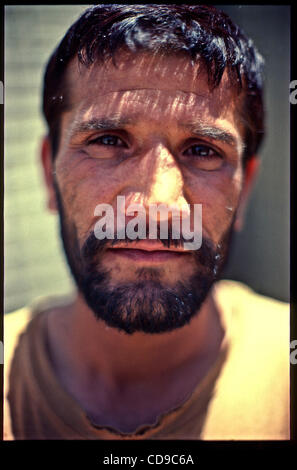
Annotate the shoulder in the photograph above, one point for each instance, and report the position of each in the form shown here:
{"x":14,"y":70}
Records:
{"x":235,"y":291}
{"x":252,"y":398}
{"x":257,"y":323}
{"x":271,"y":316}
{"x":14,"y":325}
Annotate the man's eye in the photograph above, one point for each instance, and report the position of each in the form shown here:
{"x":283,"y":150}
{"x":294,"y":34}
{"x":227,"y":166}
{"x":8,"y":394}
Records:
{"x":203,"y":157}
{"x":201,"y":151}
{"x":108,"y":140}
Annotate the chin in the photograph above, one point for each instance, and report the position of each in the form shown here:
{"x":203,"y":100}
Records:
{"x":146,"y":306}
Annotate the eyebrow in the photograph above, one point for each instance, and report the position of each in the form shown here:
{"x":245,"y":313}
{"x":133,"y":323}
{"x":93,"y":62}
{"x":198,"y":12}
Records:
{"x":197,"y":128}
{"x":97,"y":124}
{"x":214,"y":133}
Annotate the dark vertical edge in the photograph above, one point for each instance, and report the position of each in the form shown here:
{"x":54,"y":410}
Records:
{"x":2,"y":195}
{"x":293,"y":109}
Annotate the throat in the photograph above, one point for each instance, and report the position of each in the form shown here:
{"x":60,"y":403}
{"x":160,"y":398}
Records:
{"x":127,"y":408}
{"x":126,"y":382}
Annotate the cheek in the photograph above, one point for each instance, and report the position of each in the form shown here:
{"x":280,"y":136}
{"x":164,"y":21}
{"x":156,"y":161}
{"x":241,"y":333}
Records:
{"x":83,"y":186}
{"x":219,"y":194}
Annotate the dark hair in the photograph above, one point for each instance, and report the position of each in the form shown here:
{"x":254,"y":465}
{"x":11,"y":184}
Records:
{"x":201,"y":31}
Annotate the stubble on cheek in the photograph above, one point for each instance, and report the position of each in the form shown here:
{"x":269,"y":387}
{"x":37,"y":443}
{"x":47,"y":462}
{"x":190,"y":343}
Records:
{"x":219,"y":212}
{"x":78,"y":210}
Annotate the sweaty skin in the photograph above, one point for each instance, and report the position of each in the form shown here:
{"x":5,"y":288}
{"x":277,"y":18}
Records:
{"x":134,"y":130}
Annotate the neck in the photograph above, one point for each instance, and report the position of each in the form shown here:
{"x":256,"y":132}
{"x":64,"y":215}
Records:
{"x":90,"y":358}
{"x":112,"y":352}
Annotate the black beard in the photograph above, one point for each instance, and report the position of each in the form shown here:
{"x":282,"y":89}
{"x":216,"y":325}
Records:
{"x":146,"y":305}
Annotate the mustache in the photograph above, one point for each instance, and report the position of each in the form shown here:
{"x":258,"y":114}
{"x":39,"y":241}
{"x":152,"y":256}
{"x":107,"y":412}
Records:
{"x":208,"y":254}
{"x":168,"y":241}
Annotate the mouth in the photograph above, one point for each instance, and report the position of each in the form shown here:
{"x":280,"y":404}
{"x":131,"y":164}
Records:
{"x":144,"y":251}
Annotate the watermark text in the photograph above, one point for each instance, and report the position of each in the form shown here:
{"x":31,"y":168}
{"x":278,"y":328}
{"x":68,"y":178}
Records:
{"x":158,"y":216}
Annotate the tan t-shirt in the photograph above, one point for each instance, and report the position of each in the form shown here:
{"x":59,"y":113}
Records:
{"x":245,"y":394}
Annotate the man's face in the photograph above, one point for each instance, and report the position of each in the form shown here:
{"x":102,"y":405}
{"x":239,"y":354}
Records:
{"x":150,"y":130}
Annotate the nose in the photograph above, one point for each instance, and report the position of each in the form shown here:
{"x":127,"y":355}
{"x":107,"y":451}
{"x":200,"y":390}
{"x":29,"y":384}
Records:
{"x":164,"y":182}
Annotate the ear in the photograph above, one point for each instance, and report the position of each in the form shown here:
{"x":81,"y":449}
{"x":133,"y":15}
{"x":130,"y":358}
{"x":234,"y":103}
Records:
{"x":250,"y":175}
{"x":48,"y":173}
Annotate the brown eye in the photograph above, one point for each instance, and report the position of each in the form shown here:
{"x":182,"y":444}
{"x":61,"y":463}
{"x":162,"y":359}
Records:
{"x":201,"y":151}
{"x":108,"y":139}
{"x":203,"y":157}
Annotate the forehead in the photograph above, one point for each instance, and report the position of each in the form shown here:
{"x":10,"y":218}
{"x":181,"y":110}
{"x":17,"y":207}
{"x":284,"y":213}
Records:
{"x":149,"y":86}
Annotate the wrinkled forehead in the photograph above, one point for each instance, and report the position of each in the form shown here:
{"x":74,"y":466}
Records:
{"x":173,"y":72}
{"x":168,"y":84}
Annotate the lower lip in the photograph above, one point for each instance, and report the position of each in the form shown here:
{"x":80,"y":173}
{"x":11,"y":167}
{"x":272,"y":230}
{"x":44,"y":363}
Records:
{"x":150,"y":256}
